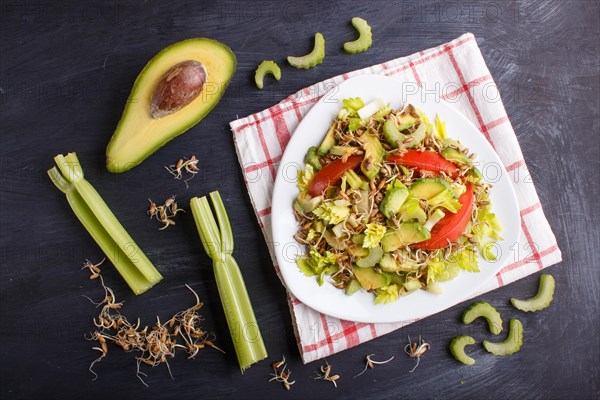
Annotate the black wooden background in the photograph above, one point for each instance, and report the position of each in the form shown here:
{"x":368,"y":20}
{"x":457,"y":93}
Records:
{"x":66,"y":70}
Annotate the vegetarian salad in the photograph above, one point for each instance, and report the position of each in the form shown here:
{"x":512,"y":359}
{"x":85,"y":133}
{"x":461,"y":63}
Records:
{"x":390,"y":204}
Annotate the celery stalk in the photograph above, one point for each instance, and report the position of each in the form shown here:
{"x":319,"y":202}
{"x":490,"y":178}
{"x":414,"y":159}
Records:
{"x":217,"y":241}
{"x":103,"y":226}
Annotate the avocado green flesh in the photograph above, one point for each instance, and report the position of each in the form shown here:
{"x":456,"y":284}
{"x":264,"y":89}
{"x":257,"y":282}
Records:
{"x":138,"y":135}
{"x":455,"y":156}
{"x":328,"y":140}
{"x":353,"y":287}
{"x":406,"y":121}
{"x":393,"y":136}
{"x":343,"y":150}
{"x":393,"y":201}
{"x":370,"y":279}
{"x":312,"y":158}
{"x":389,"y":264}
{"x":375,"y":254}
{"x":359,"y":252}
{"x":374,"y":154}
{"x":407,"y":233}
{"x":411,"y":209}
{"x":428,"y":188}
{"x":417,"y":136}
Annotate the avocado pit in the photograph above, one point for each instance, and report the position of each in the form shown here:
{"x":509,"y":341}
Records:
{"x":177,"y":88}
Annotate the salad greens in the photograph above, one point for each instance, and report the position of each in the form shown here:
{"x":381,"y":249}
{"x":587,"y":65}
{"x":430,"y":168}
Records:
{"x":389,"y":203}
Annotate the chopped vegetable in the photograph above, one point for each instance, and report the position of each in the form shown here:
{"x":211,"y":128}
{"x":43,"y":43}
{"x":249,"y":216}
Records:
{"x":395,"y":195}
{"x":440,"y":127}
{"x":387,"y":294}
{"x":371,"y":108}
{"x":217,"y":240}
{"x":373,"y":257}
{"x":457,"y":348}
{"x":541,"y":300}
{"x":103,"y":226}
{"x":485,"y":310}
{"x":406,"y":219}
{"x":511,"y":344}
{"x":434,"y":219}
{"x":425,"y":161}
{"x":333,"y":213}
{"x":373,"y":235}
{"x":396,"y":139}
{"x":305,"y":178}
{"x":365,"y":37}
{"x":312,"y":158}
{"x":266,"y":67}
{"x":332,"y":173}
{"x":312,"y":59}
{"x":449,"y":228}
{"x":374,"y":154}
{"x":352,"y":105}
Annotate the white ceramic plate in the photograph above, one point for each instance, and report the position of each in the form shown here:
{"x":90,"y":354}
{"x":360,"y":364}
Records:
{"x":360,"y":306}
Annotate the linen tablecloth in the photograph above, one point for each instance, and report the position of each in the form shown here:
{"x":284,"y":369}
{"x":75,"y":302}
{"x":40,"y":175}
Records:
{"x":455,"y":71}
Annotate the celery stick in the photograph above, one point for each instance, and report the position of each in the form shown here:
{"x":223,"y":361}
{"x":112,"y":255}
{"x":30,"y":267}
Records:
{"x":226,"y":232}
{"x":218,"y":244}
{"x":100,"y":222}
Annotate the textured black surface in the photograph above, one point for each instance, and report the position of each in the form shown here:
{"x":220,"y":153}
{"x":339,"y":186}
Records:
{"x":66,"y":70}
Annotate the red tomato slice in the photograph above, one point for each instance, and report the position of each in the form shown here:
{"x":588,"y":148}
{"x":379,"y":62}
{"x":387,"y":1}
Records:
{"x":449,"y":228}
{"x":331,"y":173}
{"x":425,"y":160}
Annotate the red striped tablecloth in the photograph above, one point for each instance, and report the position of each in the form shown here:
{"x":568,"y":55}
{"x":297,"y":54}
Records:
{"x":457,"y":72}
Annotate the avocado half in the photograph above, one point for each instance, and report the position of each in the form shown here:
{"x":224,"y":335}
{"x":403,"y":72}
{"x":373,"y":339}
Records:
{"x":138,"y":133}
